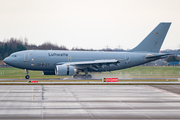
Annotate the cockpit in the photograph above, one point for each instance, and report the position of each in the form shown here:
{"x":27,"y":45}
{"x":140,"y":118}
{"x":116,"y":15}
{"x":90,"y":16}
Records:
{"x":13,"y":55}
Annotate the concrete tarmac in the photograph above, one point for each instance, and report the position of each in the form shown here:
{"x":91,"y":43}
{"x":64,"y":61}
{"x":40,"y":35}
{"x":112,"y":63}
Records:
{"x":90,"y":102}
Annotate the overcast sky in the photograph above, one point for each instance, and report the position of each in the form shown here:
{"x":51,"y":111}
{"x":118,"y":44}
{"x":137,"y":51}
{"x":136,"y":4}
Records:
{"x":89,"y":23}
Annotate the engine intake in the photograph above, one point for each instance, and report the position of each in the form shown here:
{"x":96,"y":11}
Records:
{"x":61,"y":70}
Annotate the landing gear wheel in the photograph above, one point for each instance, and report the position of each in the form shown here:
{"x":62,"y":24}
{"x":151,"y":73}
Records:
{"x":83,"y":77}
{"x":79,"y":76}
{"x":27,"y":76}
{"x":88,"y":76}
{"x":75,"y":76}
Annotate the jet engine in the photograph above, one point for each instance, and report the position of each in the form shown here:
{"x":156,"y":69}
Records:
{"x":61,"y":70}
{"x":48,"y":72}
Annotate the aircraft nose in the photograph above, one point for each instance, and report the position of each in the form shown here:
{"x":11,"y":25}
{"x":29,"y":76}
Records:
{"x":6,"y":60}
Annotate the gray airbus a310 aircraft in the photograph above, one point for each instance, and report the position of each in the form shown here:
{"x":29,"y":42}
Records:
{"x":62,"y":63}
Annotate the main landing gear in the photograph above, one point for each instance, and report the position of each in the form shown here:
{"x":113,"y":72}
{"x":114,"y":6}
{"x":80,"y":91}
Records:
{"x":27,"y":76}
{"x":80,"y":76}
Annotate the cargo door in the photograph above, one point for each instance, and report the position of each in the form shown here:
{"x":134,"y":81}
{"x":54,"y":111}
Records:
{"x":26,"y":57}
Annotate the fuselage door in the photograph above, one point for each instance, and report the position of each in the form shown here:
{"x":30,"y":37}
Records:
{"x":26,"y":57}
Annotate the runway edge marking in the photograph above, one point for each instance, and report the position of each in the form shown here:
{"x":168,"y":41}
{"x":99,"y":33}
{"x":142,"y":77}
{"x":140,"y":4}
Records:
{"x":161,"y":90}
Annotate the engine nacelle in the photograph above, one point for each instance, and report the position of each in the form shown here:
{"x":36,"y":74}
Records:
{"x":62,"y":70}
{"x":48,"y":72}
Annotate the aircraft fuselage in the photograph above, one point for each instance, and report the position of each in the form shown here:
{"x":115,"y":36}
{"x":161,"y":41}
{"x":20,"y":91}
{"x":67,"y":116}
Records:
{"x":46,"y":60}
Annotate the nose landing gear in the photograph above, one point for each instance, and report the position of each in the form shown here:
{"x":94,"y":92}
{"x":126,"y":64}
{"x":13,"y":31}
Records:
{"x":27,"y":76}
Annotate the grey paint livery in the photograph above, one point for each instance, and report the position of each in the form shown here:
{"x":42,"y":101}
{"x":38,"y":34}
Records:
{"x":71,"y":62}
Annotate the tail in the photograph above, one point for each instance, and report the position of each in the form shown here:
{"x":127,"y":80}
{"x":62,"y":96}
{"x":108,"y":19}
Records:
{"x":153,"y":42}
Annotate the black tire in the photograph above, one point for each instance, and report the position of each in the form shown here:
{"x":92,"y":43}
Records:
{"x":27,"y":76}
{"x":83,"y":77}
{"x":75,"y":76}
{"x":89,"y":76}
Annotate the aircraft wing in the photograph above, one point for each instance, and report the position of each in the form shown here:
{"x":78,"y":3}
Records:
{"x":92,"y":64}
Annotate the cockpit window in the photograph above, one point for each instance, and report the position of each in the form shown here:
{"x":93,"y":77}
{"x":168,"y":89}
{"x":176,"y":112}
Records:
{"x":13,"y":55}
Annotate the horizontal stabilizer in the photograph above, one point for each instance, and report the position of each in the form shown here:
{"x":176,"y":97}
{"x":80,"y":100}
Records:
{"x":156,"y":56}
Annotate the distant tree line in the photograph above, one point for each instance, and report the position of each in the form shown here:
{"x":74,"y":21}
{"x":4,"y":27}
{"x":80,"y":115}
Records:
{"x":13,"y":45}
{"x":10,"y":46}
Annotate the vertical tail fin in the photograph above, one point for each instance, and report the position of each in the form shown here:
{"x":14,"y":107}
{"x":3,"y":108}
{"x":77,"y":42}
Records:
{"x":153,"y":42}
